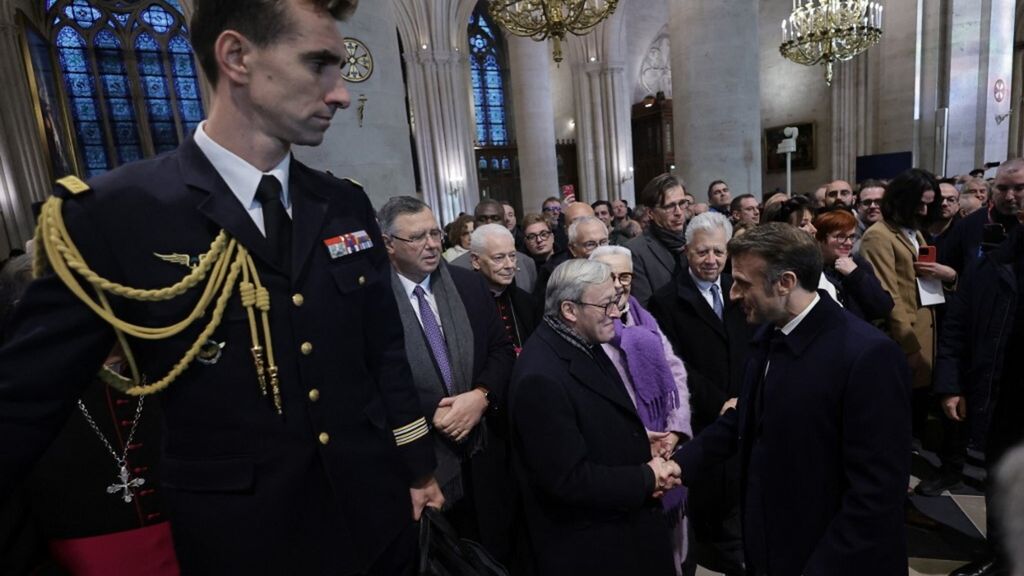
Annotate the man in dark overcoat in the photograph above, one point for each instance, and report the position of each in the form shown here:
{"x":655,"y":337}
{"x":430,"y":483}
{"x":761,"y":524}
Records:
{"x":822,"y":425}
{"x":581,"y":451}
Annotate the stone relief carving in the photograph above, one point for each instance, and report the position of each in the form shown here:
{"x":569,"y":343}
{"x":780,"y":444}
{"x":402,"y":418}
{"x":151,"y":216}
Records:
{"x":656,"y":69}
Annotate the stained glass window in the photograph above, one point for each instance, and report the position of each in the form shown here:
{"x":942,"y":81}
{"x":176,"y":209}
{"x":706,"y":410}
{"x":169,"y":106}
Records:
{"x":156,"y":93}
{"x":487,"y":81}
{"x":130,"y":80}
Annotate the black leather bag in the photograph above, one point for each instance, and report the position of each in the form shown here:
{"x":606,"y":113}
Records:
{"x":443,"y":553}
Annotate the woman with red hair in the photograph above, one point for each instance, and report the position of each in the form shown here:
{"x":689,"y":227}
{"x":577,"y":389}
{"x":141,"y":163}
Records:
{"x":856,"y":287}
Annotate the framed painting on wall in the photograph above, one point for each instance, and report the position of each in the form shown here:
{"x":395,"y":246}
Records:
{"x":51,"y":114}
{"x":803,"y":158}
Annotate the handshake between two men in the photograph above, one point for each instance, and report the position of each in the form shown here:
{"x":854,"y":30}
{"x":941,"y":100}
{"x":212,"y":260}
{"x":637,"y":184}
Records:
{"x":667,"y":473}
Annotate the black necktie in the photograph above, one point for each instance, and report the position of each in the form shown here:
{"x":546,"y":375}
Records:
{"x":276,"y":222}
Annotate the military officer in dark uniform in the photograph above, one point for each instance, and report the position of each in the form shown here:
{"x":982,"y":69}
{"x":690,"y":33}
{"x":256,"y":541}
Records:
{"x":297,"y":445}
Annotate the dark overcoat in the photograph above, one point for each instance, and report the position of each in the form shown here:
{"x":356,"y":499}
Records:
{"x":580,"y":451}
{"x":826,"y":457}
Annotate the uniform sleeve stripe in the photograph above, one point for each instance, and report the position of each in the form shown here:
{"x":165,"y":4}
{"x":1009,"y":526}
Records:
{"x":409,"y":438}
{"x":404,"y":435}
{"x":422,"y":421}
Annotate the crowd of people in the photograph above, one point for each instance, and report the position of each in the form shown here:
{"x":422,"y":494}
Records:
{"x":590,"y":389}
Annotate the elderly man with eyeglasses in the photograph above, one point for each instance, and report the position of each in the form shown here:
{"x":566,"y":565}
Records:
{"x":586,"y":234}
{"x":592,"y":488}
{"x":461,"y":360}
{"x":656,"y":253}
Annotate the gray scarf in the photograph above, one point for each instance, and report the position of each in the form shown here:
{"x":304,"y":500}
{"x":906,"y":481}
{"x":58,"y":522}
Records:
{"x":569,"y":334}
{"x":458,"y":334}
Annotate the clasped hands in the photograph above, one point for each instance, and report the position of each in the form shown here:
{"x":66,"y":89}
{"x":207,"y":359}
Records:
{"x":667,"y":475}
{"x":456,"y":416}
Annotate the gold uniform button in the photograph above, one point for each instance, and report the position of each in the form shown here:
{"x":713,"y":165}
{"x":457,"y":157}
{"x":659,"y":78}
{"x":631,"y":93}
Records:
{"x":362,"y":280}
{"x":306,"y":348}
{"x":324,"y":438}
{"x":297,"y":299}
{"x":314,"y":395}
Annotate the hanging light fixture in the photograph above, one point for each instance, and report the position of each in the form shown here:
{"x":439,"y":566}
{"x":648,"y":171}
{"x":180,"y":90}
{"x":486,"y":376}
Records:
{"x":543,"y":19}
{"x":830,"y":31}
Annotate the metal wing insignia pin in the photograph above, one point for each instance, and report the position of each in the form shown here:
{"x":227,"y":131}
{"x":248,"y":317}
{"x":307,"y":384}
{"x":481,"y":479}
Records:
{"x":179,"y":259}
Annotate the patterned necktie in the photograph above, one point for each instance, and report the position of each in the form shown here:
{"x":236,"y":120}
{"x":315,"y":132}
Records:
{"x":277,"y":225}
{"x":716,"y":299}
{"x":434,"y":337}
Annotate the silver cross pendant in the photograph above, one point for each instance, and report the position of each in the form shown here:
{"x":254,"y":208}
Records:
{"x":127,"y":484}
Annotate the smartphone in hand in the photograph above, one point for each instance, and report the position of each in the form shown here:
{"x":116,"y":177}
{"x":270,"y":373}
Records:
{"x":926,"y":254}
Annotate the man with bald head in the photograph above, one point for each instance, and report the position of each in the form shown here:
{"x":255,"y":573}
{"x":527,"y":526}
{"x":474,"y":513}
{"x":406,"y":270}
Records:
{"x":839,"y":192}
{"x":490,"y":211}
{"x":577,"y":210}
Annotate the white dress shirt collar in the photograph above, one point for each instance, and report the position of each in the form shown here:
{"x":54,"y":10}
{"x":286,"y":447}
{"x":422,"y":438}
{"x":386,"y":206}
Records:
{"x":704,"y":285}
{"x":241,"y":177}
{"x":792,"y":324}
{"x":409,"y":285}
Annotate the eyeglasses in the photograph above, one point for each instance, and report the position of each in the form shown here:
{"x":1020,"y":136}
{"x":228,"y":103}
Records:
{"x":552,"y":208}
{"x":490,"y":218}
{"x":950,"y":200}
{"x":680,"y":205}
{"x":611,"y":309}
{"x":533,"y":237}
{"x":869,"y":202}
{"x":593,"y":244}
{"x":625,"y":278}
{"x":844,"y":239}
{"x":420,"y":239}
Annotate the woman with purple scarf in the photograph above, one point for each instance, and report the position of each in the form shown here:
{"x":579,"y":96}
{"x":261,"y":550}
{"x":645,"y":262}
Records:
{"x":655,"y":379}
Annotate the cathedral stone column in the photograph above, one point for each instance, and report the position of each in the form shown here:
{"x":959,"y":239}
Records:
{"x":530,"y":83}
{"x":716,"y":94}
{"x":24,"y":178}
{"x":604,"y":140}
{"x":437,"y":78}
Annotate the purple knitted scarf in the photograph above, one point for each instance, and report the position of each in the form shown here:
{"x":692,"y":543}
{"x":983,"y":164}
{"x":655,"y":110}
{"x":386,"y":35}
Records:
{"x":641,"y":345}
{"x":653,"y":384}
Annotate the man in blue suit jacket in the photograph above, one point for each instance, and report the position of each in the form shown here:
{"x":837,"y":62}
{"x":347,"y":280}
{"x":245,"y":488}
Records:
{"x":822,"y":425}
{"x":321,"y":471}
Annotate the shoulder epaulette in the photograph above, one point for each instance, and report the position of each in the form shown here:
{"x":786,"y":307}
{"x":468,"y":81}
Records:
{"x":351,"y":181}
{"x":73,"y":184}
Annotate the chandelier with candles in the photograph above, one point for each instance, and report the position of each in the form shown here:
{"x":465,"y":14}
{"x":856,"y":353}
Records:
{"x":543,"y":19}
{"x":830,"y":31}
